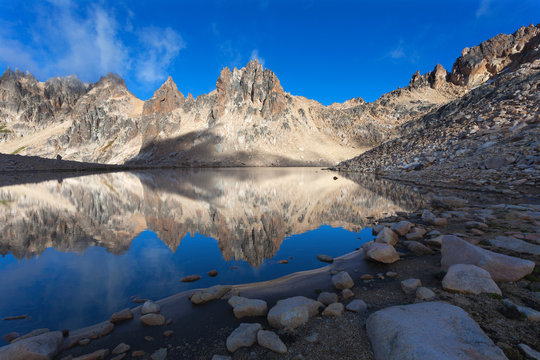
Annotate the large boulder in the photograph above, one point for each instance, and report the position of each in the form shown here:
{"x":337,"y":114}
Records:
{"x":42,"y":347}
{"x":387,"y":236}
{"x":464,"y":278}
{"x":427,"y":331}
{"x":384,"y":253}
{"x":243,"y":307}
{"x":402,"y":227}
{"x":293,"y":312}
{"x":501,"y":267}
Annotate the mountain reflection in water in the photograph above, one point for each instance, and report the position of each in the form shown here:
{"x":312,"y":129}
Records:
{"x":85,"y":245}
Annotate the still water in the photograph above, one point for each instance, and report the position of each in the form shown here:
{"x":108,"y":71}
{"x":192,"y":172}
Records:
{"x":75,"y":251}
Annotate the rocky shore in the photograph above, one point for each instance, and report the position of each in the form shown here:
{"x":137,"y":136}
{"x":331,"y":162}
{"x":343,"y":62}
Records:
{"x":455,"y":280}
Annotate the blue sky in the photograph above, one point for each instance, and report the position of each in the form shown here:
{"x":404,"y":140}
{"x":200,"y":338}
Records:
{"x":329,"y":51}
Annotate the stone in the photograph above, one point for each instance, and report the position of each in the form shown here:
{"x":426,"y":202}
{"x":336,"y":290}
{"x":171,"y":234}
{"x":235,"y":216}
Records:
{"x":342,"y":280}
{"x":121,"y":316}
{"x":148,"y":338}
{"x":428,"y":217}
{"x":168,"y":333}
{"x":212,"y":273}
{"x":293,"y":312}
{"x":402,"y":227}
{"x":448,"y":202}
{"x":347,"y":293}
{"x":427,"y":331}
{"x":160,"y":354}
{"x":84,"y":341}
{"x":413,"y":236}
{"x":313,"y":338}
{"x":9,"y":337}
{"x":465,"y":278}
{"x":153,"y":319}
{"x":409,"y":286}
{"x":271,"y":341}
{"x":32,"y":333}
{"x":244,"y":335}
{"x":150,"y":307}
{"x":520,"y":246}
{"x":387,"y":236}
{"x":384,"y":253}
{"x":529,"y":352}
{"x":243,"y":307}
{"x":436,"y":241}
{"x":335,"y":309}
{"x":530,"y":314}
{"x":417,"y":248}
{"x":210,"y":294}
{"x":121,"y":348}
{"x":423,"y":293}
{"x":190,"y":278}
{"x":327,"y":298}
{"x":325,"y":258}
{"x":501,"y":267}
{"x":138,"y":353}
{"x":440,"y":221}
{"x":356,"y":306}
{"x":366,"y":277}
{"x":43,"y":346}
{"x":96,"y":355}
{"x":391,"y":274}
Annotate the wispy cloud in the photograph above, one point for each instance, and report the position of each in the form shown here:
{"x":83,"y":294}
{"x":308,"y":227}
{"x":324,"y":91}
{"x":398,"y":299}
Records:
{"x":483,"y":8}
{"x":255,"y":56}
{"x":397,"y":53}
{"x":90,"y":42}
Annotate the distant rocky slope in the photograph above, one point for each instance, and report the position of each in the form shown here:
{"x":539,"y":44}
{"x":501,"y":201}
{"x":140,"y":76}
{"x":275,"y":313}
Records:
{"x":247,"y":120}
{"x":489,"y":136}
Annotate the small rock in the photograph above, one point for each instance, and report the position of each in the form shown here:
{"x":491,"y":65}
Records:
{"x":423,"y":293}
{"x":402,"y":227}
{"x":9,"y":337}
{"x":380,"y":252}
{"x":153,"y":319}
{"x":347,"y":293}
{"x":418,"y":248}
{"x":387,"y":236}
{"x":529,"y":352}
{"x":271,"y":341}
{"x":121,"y":316}
{"x":529,"y":313}
{"x":366,"y":277}
{"x":293,"y":312}
{"x":148,"y":338}
{"x":325,"y":258}
{"x":168,"y":333}
{"x":436,"y":241}
{"x":313,"y":338}
{"x":207,"y":295}
{"x":428,"y":217}
{"x":283,"y":261}
{"x":440,"y":222}
{"x":342,"y":280}
{"x":335,"y":309}
{"x":243,"y":336}
{"x":190,"y":278}
{"x":414,"y":236}
{"x":138,"y":353}
{"x":409,"y":286}
{"x":356,"y":306}
{"x":464,"y":278}
{"x":84,"y":341}
{"x":160,"y":354}
{"x":327,"y":298}
{"x":121,"y":348}
{"x":243,"y":307}
{"x":212,"y":273}
{"x":391,"y":274}
{"x":150,"y":307}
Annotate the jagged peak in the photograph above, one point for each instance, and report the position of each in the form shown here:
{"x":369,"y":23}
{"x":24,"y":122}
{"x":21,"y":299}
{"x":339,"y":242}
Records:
{"x":111,"y":78}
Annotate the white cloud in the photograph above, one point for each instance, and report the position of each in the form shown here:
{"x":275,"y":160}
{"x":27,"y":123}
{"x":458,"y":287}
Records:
{"x":397,"y":53}
{"x":255,"y":56}
{"x":483,"y":8}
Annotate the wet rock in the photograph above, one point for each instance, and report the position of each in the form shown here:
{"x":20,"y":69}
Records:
{"x":426,"y":331}
{"x":356,"y":306}
{"x":96,"y":355}
{"x":342,"y":280}
{"x":243,"y":336}
{"x":9,"y":337}
{"x":347,"y":293}
{"x":212,"y":293}
{"x":243,"y":307}
{"x":409,"y":286}
{"x":190,"y":278}
{"x":121,"y":316}
{"x":529,"y":352}
{"x":500,"y":267}
{"x":387,"y":236}
{"x":293,"y":312}
{"x":327,"y":298}
{"x":423,"y":293}
{"x":160,"y":354}
{"x":121,"y":348}
{"x":325,"y":258}
{"x":335,"y":309}
{"x":150,"y":307}
{"x":380,"y":252}
{"x":212,"y":273}
{"x":529,"y":313}
{"x":464,"y":278}
{"x":44,"y":346}
{"x":402,"y":227}
{"x":271,"y":341}
{"x":153,"y":319}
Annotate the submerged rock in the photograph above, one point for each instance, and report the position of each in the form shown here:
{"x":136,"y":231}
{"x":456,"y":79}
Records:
{"x":325,"y":258}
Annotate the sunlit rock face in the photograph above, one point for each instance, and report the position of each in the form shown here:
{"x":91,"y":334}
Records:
{"x":248,"y":211}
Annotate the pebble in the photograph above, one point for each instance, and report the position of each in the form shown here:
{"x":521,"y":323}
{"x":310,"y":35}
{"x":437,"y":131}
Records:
{"x":121,"y":348}
{"x":356,"y":306}
{"x":423,"y":293}
{"x":148,"y":338}
{"x":271,"y":341}
{"x":153,"y":319}
{"x":342,"y":280}
{"x":138,"y":353}
{"x":347,"y":293}
{"x":391,"y":274}
{"x":409,"y":286}
{"x":168,"y":333}
{"x":335,"y":309}
{"x":160,"y":354}
{"x":150,"y":307}
{"x":327,"y":298}
{"x":313,"y":338}
{"x":190,"y":278}
{"x":244,"y":335}
{"x":325,"y":258}
{"x":366,"y":277}
{"x":84,"y":341}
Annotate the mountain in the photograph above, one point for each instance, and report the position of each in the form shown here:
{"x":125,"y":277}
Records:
{"x":249,"y":119}
{"x":488,"y":137}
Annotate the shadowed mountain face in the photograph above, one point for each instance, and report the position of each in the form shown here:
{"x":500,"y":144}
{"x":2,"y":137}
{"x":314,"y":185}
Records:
{"x":248,"y":211}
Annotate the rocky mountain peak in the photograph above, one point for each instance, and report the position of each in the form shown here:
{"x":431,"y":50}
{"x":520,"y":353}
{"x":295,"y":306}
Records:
{"x":165,"y":99}
{"x":111,"y":79}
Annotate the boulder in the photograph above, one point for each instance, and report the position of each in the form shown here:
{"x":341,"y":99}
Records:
{"x":334,"y":309}
{"x":427,"y":331}
{"x":342,"y":280}
{"x":271,"y":341}
{"x":210,"y":294}
{"x":150,"y":307}
{"x":387,"y":236}
{"x":402,"y":227}
{"x":380,"y":252}
{"x":501,"y":267}
{"x":356,"y":306}
{"x":243,"y":307}
{"x":244,"y":335}
{"x":409,"y":286}
{"x":293,"y":312}
{"x":44,"y":346}
{"x":464,"y":278}
{"x":327,"y":298}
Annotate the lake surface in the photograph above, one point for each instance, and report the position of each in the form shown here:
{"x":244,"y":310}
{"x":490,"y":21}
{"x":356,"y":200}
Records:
{"x":75,"y":250}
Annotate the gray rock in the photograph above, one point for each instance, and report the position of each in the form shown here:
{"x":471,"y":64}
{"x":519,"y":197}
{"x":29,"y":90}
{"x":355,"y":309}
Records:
{"x":384,"y":253}
{"x":244,"y":335}
{"x":153,"y":319}
{"x":427,"y":331}
{"x":423,"y":293}
{"x":293,"y":312}
{"x":418,"y":248}
{"x":387,"y":236}
{"x":402,"y":227}
{"x":335,"y":309}
{"x":436,"y":241}
{"x":243,"y":307}
{"x":271,"y":341}
{"x":501,"y":267}
{"x":347,"y":293}
{"x":327,"y":298}
{"x":121,"y":316}
{"x":413,"y":236}
{"x":409,"y":286}
{"x":44,"y":346}
{"x":150,"y":307}
{"x":529,"y":352}
{"x":356,"y":306}
{"x":342,"y":280}
{"x":428,"y":217}
{"x":529,"y":313}
{"x":160,"y":354}
{"x":516,"y":245}
{"x":210,"y":294}
{"x":464,"y":278}
{"x":121,"y":348}
{"x":325,"y":258}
